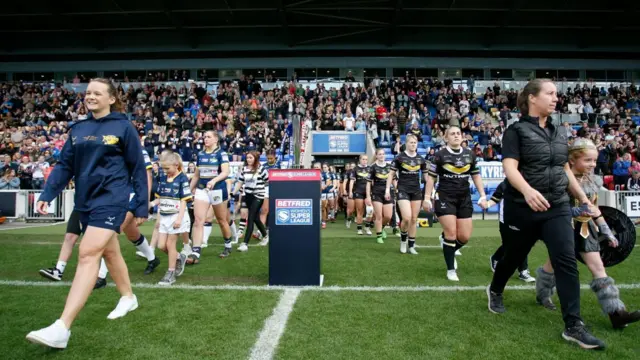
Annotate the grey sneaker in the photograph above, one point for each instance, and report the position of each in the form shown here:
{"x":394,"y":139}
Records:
{"x":225,"y":253}
{"x":496,"y":305}
{"x":581,"y":336}
{"x":168,"y":279}
{"x":180,"y":262}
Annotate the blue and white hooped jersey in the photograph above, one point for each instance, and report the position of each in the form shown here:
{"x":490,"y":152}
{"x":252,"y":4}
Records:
{"x":268,"y":166}
{"x":210,"y":165}
{"x":172,"y":191}
{"x":327,"y":179}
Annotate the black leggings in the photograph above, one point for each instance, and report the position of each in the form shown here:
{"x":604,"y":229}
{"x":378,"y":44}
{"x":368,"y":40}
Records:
{"x":499,"y":254}
{"x":253,"y":206}
{"x":522,"y":228}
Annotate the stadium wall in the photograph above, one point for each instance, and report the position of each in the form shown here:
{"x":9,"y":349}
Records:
{"x":326,"y":62}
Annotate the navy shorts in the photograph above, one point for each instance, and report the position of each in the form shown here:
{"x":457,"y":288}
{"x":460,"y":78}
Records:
{"x":104,"y":217}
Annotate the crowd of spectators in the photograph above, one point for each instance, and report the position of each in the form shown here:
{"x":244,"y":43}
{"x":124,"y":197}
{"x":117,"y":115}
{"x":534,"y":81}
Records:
{"x":36,"y":118}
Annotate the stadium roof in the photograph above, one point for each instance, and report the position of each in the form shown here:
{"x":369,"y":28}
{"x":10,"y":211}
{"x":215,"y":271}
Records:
{"x":138,"y":25}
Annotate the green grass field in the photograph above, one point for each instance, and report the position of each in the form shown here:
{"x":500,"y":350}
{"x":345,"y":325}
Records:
{"x":375,"y":304}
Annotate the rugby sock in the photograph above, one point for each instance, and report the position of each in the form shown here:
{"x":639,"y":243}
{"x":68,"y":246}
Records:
{"x":196,"y":251}
{"x":368,"y":224}
{"x":379,"y":235}
{"x":143,"y":246}
{"x":359,"y":227}
{"x":227,"y":243}
{"x":459,"y":245}
{"x":449,"y":251}
{"x":243,"y":225}
{"x":61,"y":265}
{"x":403,"y":236}
{"x":102,"y":273}
{"x":412,"y":242}
{"x":207,"y":232}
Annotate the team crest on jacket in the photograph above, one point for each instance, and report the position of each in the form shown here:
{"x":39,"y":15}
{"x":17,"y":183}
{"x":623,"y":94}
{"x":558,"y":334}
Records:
{"x":110,"y":139}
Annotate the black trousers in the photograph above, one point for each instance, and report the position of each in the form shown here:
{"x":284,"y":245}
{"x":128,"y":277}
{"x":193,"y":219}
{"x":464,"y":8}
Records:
{"x":522,"y":228}
{"x":253,"y":208}
{"x":499,"y":254}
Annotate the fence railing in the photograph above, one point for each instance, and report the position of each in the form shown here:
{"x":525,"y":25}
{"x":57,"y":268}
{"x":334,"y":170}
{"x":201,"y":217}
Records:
{"x":21,"y":204}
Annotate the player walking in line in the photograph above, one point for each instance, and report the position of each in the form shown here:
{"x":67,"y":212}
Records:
{"x":104,"y":155}
{"x":382,"y":207}
{"x":451,"y":168}
{"x":209,"y":179}
{"x":358,"y":192}
{"x":409,"y":167}
{"x":327,"y":193}
{"x":346,"y":194}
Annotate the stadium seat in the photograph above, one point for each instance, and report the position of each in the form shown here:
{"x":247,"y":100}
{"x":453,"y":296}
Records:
{"x":608,"y":179}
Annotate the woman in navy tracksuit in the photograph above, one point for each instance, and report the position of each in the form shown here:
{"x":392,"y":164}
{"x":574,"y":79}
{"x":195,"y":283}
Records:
{"x":104,"y":155}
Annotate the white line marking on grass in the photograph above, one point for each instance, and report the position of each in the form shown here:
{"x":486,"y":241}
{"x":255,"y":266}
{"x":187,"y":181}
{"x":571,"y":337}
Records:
{"x":443,"y":288}
{"x":31,"y":227}
{"x":274,"y":327}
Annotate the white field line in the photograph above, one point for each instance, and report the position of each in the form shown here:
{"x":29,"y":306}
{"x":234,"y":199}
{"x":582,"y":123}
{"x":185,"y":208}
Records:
{"x":32,"y":226}
{"x":274,"y":327}
{"x":301,"y":288}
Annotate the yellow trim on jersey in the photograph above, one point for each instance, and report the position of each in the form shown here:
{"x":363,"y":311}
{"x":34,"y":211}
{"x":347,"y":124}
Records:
{"x":190,"y":197}
{"x":457,"y":170}
{"x":410,"y":168}
{"x":170,"y":179}
{"x":382,"y":176}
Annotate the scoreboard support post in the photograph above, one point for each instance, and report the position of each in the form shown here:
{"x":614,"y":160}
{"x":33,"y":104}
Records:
{"x":294,"y":227}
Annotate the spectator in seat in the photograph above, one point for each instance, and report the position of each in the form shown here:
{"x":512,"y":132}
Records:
{"x":621,"y":170}
{"x":349,"y":121}
{"x":415,"y":130}
{"x":9,"y":181}
{"x":634,"y":181}
{"x":489,"y":154}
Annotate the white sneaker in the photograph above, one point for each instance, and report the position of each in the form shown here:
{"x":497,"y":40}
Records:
{"x":526,"y":277}
{"x":141,"y":254}
{"x":243,"y":247}
{"x":360,"y":232}
{"x":235,"y":239}
{"x":348,"y":223}
{"x":54,"y":336}
{"x":265,"y":241}
{"x":458,"y":253}
{"x":413,"y":251}
{"x":403,"y":247}
{"x":452,"y":276}
{"x":204,"y":244}
{"x":367,"y":231}
{"x":125,"y":305}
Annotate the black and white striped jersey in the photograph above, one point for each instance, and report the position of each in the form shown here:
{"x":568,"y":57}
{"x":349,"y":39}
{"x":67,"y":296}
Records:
{"x":254,"y":182}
